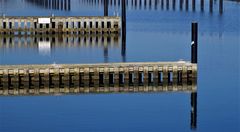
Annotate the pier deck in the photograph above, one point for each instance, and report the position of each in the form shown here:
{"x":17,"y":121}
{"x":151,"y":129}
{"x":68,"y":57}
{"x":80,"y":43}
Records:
{"x":97,"y":75}
{"x":60,"y":24}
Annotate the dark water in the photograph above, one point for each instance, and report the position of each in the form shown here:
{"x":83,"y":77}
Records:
{"x":154,"y":33}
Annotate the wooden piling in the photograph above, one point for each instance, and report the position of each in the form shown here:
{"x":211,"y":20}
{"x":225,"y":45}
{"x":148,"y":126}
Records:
{"x":194,"y":42}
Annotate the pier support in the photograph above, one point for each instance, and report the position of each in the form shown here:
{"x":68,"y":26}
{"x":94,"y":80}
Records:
{"x":194,"y":44}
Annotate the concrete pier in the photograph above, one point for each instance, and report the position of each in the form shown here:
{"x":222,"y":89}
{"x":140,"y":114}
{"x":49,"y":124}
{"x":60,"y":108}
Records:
{"x":107,"y":77}
{"x":71,"y":25}
{"x":113,"y":74}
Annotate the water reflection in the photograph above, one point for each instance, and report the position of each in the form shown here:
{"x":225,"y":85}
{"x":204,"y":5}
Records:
{"x":131,"y":4}
{"x":46,"y":43}
{"x":67,"y":88}
{"x":52,"y":4}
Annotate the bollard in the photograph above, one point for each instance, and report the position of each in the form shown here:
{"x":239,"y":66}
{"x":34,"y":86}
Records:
{"x":194,"y":44}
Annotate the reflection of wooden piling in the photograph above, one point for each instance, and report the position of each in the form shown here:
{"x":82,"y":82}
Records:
{"x":174,"y":4}
{"x":69,"y":5}
{"x":193,"y":5}
{"x":202,"y":5}
{"x":105,"y":7}
{"x":210,"y":6}
{"x":194,"y":44}
{"x":220,"y":6}
{"x":186,"y":5}
{"x":162,"y":4}
{"x":194,"y":110}
{"x":181,"y":4}
{"x":65,"y":4}
{"x":167,"y":4}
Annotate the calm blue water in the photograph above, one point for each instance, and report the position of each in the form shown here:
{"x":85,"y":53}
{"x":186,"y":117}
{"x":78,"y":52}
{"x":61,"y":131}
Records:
{"x":152,"y":35}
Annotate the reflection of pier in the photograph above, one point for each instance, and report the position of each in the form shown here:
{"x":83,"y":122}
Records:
{"x":67,"y":88}
{"x":159,"y":4}
{"x":66,"y":40}
{"x":52,"y":4}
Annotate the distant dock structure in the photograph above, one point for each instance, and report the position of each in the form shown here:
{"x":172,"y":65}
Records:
{"x":60,"y":24}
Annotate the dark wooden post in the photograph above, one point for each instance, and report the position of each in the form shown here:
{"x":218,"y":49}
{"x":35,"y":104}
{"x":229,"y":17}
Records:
{"x":124,"y":30}
{"x":194,"y":44}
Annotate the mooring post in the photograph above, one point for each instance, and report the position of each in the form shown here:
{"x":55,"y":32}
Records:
{"x":211,"y":6}
{"x":105,"y":7}
{"x":194,"y":44}
{"x":124,"y":30}
{"x":220,"y":6}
